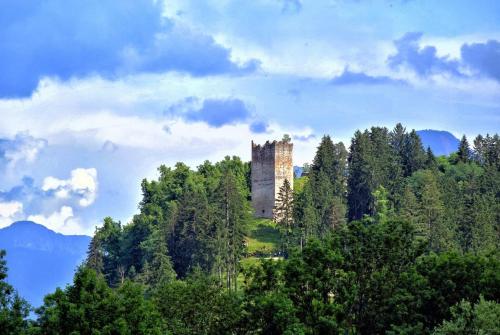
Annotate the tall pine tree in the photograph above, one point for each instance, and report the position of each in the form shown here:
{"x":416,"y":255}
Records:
{"x":283,"y":216}
{"x":464,"y":152}
{"x":230,"y":220}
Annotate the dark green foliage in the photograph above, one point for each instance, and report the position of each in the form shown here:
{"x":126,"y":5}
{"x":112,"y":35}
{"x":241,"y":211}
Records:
{"x":360,"y":184}
{"x":158,"y":269}
{"x":283,"y":216}
{"x":380,"y":257}
{"x":273,"y":313}
{"x":89,"y":306}
{"x":430,"y":217}
{"x":328,"y":180}
{"x":487,"y":150}
{"x":297,"y":296}
{"x":451,"y":277}
{"x":382,"y":158}
{"x":230,"y":216}
{"x":367,"y":278}
{"x":305,"y":213}
{"x":187,"y":219}
{"x":314,"y":281}
{"x":372,"y":162}
{"x":331,"y":159}
{"x":104,"y":255}
{"x":198,"y":305}
{"x":187,"y":243}
{"x":464,"y":153}
{"x":430,"y":159}
{"x":481,"y":318}
{"x":408,"y":147}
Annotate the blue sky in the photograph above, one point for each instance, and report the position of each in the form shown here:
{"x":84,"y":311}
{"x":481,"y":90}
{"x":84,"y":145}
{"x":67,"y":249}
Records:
{"x":95,"y":95}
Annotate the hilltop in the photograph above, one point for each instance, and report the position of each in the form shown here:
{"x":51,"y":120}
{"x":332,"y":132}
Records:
{"x":39,"y":259}
{"x":441,"y":142}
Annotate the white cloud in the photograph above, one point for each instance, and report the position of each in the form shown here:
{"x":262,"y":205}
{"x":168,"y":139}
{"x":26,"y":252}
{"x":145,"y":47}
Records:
{"x":82,"y":184}
{"x":303,"y":58}
{"x":450,"y":45}
{"x":135,"y":120}
{"x":22,"y":148}
{"x":62,"y":221}
{"x":10,"y":212}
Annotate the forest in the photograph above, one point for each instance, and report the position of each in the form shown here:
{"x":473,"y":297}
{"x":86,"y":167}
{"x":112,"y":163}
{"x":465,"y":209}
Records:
{"x":378,"y":237}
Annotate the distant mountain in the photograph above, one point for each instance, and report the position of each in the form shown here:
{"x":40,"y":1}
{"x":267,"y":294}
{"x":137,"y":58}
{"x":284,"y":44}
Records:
{"x":440,"y":141}
{"x":39,"y":260}
{"x":297,"y":171}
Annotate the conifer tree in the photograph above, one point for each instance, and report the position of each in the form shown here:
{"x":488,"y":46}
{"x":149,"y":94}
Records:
{"x":382,"y":158}
{"x":337,"y":213}
{"x":415,"y":156}
{"x":487,"y":150}
{"x":438,"y":233}
{"x":485,"y":230}
{"x":398,"y":139}
{"x":382,"y":206}
{"x":323,"y":198}
{"x":360,"y":181}
{"x":328,"y":180}
{"x":479,"y":150}
{"x":94,"y":254}
{"x":465,"y":222}
{"x":430,"y":159}
{"x":283,"y":216}
{"x":305,"y":213}
{"x":230,"y":222}
{"x":157,"y":268}
{"x":105,"y":251}
{"x":331,"y":159}
{"x":188,"y":243}
{"x":464,"y":153}
{"x":410,"y":211}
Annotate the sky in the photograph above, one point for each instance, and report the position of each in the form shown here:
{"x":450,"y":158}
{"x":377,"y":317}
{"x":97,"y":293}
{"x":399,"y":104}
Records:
{"x":95,"y":95}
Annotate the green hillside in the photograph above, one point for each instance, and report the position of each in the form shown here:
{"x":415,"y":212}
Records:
{"x":263,"y":238}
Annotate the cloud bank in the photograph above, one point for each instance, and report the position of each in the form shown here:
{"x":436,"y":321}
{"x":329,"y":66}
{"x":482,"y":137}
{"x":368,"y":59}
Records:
{"x":22,"y":148}
{"x":476,"y":59}
{"x":71,"y":38}
{"x":353,"y":78}
{"x":216,"y":113}
{"x":219,"y":112}
{"x":483,"y":58}
{"x":423,"y":61}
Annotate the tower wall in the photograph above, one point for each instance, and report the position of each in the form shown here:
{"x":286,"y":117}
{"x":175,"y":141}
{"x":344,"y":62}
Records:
{"x":283,"y":166}
{"x":271,"y":165}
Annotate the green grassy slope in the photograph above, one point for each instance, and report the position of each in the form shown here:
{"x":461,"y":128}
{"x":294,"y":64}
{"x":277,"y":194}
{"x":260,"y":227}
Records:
{"x":263,"y":238}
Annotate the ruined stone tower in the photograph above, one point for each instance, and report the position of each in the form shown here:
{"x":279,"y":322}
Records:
{"x":271,"y":165}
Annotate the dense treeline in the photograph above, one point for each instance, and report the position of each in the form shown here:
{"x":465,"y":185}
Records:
{"x":453,"y":202}
{"x":187,"y":219}
{"x":383,"y":238}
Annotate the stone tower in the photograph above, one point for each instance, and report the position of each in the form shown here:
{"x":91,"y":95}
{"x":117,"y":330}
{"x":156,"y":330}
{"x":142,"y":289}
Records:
{"x":271,"y":165}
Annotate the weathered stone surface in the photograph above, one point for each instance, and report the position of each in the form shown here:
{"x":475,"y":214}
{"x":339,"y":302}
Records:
{"x":271,"y":165}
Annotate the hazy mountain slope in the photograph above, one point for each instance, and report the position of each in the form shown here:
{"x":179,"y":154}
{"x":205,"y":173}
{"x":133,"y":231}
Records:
{"x":440,"y":141}
{"x":39,"y":259}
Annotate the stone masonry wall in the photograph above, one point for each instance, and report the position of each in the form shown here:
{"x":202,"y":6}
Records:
{"x":271,"y":165}
{"x":283,"y":166}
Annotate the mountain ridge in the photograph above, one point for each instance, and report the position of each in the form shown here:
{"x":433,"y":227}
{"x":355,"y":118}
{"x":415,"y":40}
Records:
{"x":36,"y":252}
{"x":441,"y":142}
